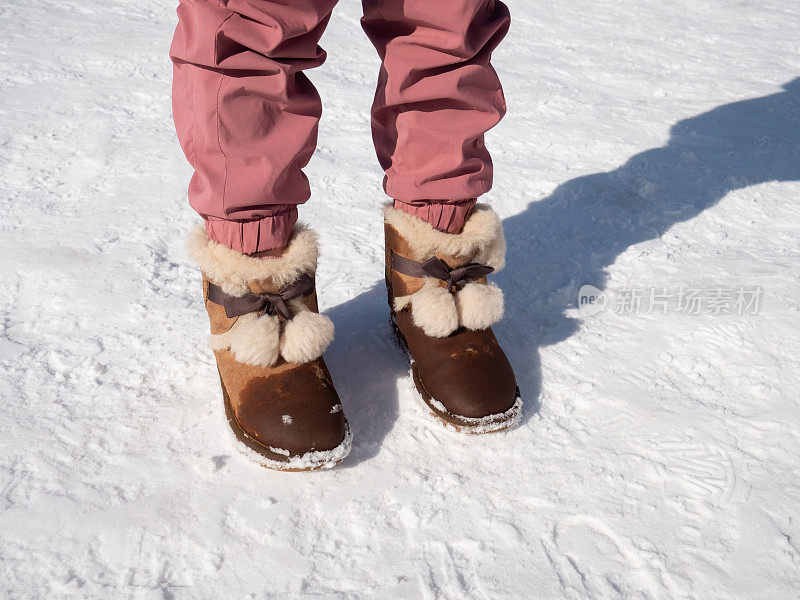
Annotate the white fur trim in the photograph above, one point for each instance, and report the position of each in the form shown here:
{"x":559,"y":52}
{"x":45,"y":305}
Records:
{"x":306,"y":336}
{"x":433,"y":309}
{"x":481,"y":240}
{"x":232,"y":270}
{"x":479,"y":305}
{"x":253,"y":339}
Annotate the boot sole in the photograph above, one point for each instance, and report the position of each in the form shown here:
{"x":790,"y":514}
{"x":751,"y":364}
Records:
{"x":462,"y":424}
{"x":279,"y":459}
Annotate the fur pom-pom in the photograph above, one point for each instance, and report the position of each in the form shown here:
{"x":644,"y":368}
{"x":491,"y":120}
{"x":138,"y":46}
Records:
{"x":253,"y":339}
{"x":306,"y":336}
{"x":400,"y":302}
{"x":480,"y":305}
{"x":433,"y":309}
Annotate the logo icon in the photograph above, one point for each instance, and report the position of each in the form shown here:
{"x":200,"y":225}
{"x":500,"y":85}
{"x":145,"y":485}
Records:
{"x":591,"y":300}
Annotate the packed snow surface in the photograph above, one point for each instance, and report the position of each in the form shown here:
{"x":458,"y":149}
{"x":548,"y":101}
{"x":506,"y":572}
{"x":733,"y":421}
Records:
{"x":651,"y":150}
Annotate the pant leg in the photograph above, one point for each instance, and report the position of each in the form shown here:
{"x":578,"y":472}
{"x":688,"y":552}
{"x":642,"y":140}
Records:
{"x":245,"y":113}
{"x":437,"y":95}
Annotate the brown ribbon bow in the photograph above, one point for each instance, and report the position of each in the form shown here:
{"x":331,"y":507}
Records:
{"x":456,"y":278}
{"x":268,"y":304}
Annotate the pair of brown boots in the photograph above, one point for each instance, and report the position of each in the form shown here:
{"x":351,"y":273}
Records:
{"x":268,"y":336}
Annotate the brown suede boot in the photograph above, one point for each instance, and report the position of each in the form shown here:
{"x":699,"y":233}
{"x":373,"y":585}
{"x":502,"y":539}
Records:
{"x":442,"y":309}
{"x":268,"y":338}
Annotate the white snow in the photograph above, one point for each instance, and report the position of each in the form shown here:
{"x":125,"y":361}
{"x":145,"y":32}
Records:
{"x":648,"y":145}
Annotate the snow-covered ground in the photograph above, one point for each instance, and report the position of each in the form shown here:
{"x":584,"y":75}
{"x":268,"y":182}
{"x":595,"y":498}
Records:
{"x":649,"y":146}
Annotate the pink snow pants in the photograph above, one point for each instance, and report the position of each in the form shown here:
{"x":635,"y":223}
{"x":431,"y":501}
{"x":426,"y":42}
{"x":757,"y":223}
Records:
{"x":247,"y":115}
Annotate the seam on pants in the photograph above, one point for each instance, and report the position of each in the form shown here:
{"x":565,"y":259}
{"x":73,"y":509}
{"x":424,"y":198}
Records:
{"x":219,"y":142}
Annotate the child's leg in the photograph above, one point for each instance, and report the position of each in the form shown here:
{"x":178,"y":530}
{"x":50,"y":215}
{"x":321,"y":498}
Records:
{"x":437,"y":95}
{"x":247,"y":118}
{"x":245,"y":113}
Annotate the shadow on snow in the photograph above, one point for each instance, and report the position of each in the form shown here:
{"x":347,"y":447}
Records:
{"x":569,"y":238}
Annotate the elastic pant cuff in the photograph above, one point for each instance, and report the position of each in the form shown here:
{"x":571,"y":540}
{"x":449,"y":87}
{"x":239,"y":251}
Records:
{"x":447,"y":216}
{"x":258,"y":235}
